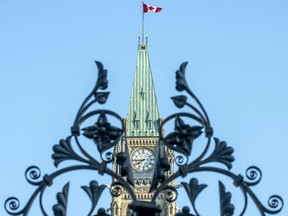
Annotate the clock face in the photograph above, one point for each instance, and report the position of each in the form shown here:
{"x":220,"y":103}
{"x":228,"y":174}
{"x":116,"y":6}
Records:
{"x":143,"y":159}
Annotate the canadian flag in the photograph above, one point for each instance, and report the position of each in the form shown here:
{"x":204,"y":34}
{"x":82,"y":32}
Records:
{"x":150,"y":8}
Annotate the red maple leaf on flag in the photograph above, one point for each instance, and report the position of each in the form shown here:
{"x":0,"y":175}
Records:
{"x":151,"y":8}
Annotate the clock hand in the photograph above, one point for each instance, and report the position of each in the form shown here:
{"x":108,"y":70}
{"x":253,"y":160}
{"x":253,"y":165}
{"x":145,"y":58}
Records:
{"x":139,"y":161}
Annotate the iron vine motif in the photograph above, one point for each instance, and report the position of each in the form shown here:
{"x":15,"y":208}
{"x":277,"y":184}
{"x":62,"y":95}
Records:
{"x":181,"y":141}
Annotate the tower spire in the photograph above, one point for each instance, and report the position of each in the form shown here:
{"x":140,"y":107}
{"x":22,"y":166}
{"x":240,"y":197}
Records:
{"x":143,"y":114}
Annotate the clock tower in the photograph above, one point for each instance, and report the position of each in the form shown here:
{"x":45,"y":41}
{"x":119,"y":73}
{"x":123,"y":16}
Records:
{"x":142,"y":130}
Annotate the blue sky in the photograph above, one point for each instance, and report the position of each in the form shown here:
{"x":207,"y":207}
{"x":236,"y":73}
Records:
{"x":237,"y":53}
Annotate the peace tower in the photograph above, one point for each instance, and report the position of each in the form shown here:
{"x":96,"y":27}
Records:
{"x":142,"y":130}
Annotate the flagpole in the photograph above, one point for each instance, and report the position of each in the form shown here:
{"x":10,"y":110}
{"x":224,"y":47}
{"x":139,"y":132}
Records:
{"x":142,"y":23}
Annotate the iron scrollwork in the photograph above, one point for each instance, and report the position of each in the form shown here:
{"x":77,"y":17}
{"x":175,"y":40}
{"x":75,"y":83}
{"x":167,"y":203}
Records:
{"x":182,"y":140}
{"x":106,"y":136}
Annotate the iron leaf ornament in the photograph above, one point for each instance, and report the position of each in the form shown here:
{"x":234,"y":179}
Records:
{"x":64,"y":151}
{"x":222,"y":154}
{"x":181,"y":83}
{"x":179,"y":101}
{"x":101,"y":97}
{"x":94,"y":192}
{"x":102,"y":81}
{"x":227,"y":208}
{"x":193,"y":189}
{"x":60,"y":208}
{"x":180,"y":141}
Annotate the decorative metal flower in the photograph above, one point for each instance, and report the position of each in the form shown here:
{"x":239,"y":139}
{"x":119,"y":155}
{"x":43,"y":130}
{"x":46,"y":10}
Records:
{"x":182,"y":138}
{"x":102,"y":133}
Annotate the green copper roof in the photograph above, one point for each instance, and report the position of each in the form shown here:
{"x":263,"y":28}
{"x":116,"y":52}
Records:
{"x":143,"y":115}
